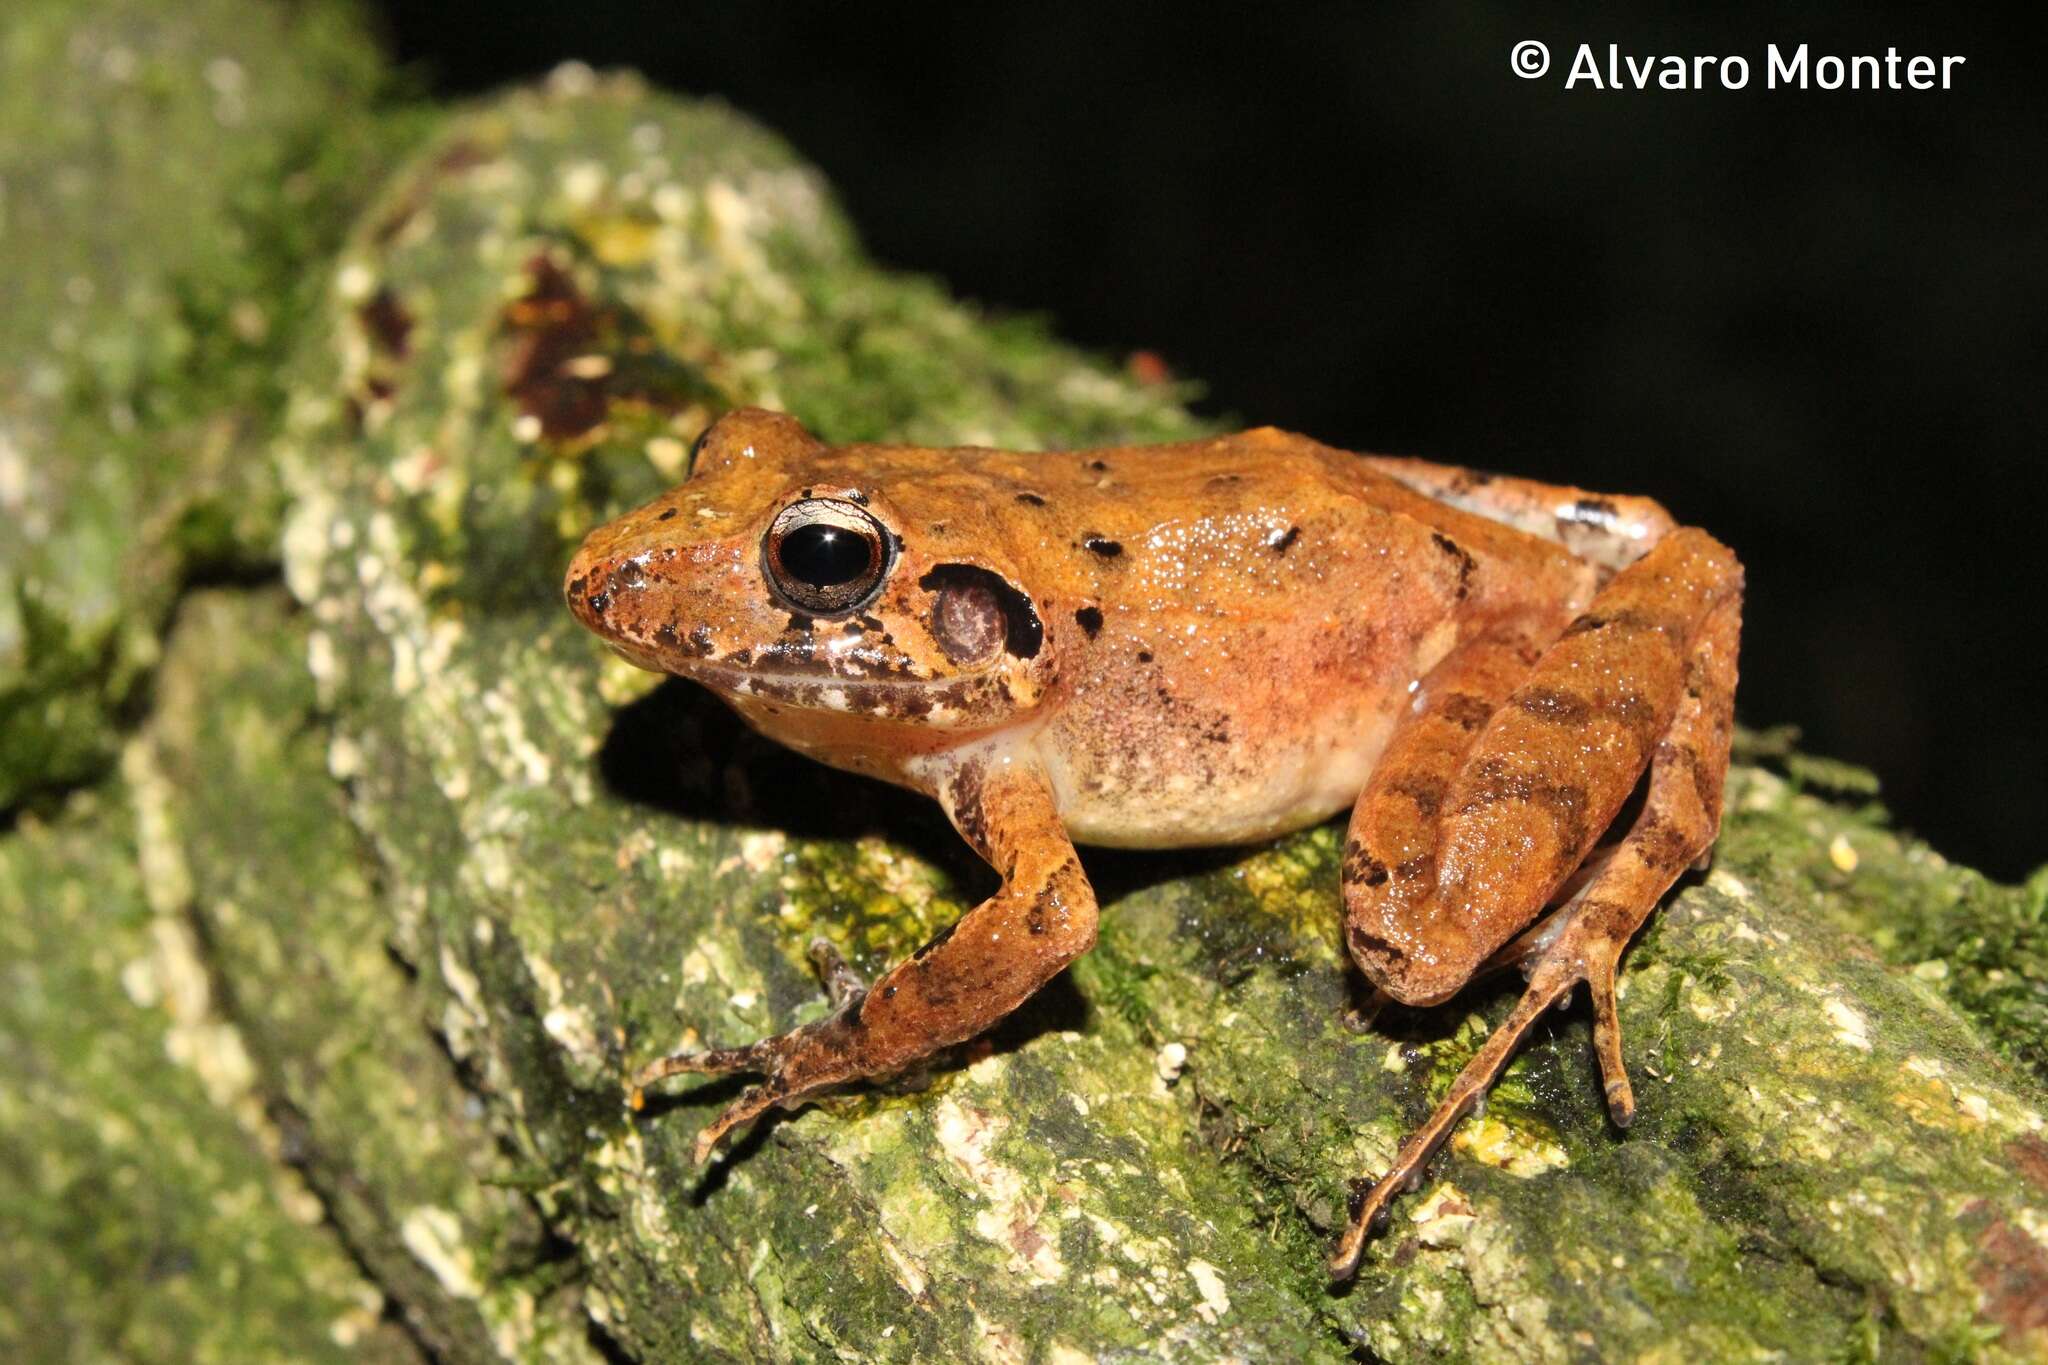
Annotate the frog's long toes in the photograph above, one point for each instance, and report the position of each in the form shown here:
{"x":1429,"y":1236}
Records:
{"x":716,"y":1061}
{"x":1621,"y":1097}
{"x":748,"y":1106}
{"x":1367,"y":1218}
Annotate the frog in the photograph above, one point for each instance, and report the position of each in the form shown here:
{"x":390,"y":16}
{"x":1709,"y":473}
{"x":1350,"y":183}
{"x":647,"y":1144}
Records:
{"x":1521,"y":692}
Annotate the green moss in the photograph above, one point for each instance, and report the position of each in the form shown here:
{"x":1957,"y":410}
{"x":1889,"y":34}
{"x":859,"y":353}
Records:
{"x":379,"y":1121}
{"x":170,"y":179}
{"x":147,"y":1216}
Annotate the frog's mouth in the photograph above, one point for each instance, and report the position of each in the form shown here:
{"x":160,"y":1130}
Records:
{"x":794,"y":676}
{"x":931,"y":700}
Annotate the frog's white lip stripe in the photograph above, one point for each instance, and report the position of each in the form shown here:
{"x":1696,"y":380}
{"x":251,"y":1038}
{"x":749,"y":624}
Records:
{"x":824,"y":691}
{"x":744,"y":679}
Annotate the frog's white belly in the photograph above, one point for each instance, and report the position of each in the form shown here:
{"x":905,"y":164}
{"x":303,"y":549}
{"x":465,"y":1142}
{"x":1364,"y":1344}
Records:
{"x":1171,"y":788}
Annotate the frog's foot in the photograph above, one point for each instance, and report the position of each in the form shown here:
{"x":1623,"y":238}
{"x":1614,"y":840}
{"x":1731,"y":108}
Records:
{"x":797,"y":1065}
{"x":771,"y":1056}
{"x":1550,"y":983}
{"x":1578,"y":945}
{"x":967,"y":977}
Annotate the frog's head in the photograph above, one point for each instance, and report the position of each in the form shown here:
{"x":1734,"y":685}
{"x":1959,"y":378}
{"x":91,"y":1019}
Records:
{"x":799,"y":581}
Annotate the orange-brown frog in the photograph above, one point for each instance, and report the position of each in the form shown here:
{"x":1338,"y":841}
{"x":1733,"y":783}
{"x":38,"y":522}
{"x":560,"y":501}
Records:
{"x":1212,"y":642}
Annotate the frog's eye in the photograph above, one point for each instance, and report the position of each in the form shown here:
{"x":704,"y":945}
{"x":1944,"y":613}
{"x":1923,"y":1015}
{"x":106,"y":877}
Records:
{"x":825,"y":556}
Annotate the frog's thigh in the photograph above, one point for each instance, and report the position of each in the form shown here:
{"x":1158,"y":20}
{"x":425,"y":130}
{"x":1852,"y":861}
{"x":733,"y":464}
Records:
{"x":1442,"y":867}
{"x":1612,"y":530}
{"x":1390,"y":854}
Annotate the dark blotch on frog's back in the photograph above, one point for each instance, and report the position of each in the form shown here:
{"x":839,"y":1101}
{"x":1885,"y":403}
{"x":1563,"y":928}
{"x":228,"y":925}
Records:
{"x":1464,"y":559}
{"x":1101,"y":545}
{"x":1090,"y":619}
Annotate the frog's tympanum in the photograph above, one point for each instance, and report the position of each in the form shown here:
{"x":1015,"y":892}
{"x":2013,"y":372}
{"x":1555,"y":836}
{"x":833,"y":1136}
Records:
{"x":1208,"y":643}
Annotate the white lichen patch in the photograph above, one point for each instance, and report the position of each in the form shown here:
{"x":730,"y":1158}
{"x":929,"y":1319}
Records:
{"x":1710,"y":1006}
{"x":465,"y":1015}
{"x":763,"y":849}
{"x":908,"y":1273}
{"x":174,"y":977}
{"x":344,"y":758}
{"x":910,"y":880}
{"x":1170,"y":1061}
{"x":509,"y":747}
{"x":434,"y":1237}
{"x":623,"y":1173}
{"x":572,"y":1027}
{"x":359,"y":1318}
{"x":967,"y":1135}
{"x":1516,"y":1150}
{"x":1215,"y":1298}
{"x":1850,"y":1027}
{"x":1444,"y":1217}
{"x":354,"y":282}
{"x":166,"y":880}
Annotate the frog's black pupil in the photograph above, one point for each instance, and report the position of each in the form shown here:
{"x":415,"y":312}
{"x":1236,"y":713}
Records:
{"x":824,"y":556}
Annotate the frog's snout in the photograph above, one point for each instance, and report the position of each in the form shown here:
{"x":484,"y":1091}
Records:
{"x":596,"y":583}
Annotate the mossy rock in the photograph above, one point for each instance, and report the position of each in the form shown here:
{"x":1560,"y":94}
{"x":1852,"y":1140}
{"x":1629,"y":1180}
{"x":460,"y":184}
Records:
{"x":169,"y":178}
{"x":449,"y":875}
{"x":1832,"y":1158}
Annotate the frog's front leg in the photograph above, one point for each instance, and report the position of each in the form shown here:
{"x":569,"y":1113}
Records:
{"x":956,"y":986}
{"x":1441,"y":874}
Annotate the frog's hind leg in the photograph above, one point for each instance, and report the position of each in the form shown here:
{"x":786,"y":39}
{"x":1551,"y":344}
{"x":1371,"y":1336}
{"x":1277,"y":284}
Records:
{"x":1645,"y":677}
{"x":1680,"y":820}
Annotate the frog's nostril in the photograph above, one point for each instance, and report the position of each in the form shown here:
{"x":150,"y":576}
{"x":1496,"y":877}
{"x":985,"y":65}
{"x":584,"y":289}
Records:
{"x":588,"y":588}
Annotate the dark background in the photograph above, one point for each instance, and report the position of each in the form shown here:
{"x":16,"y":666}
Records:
{"x":1816,"y":324}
